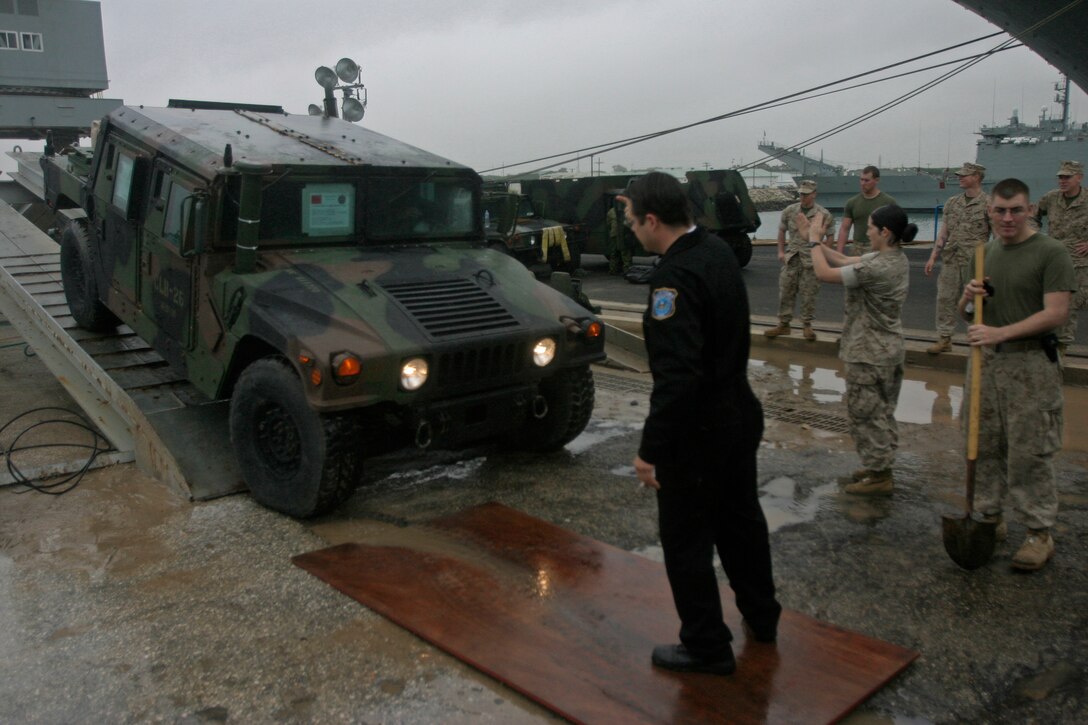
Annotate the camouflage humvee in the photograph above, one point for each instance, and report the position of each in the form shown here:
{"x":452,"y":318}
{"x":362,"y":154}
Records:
{"x":333,"y":282}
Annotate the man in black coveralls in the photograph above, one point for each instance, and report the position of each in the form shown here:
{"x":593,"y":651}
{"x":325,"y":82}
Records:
{"x":699,"y":443}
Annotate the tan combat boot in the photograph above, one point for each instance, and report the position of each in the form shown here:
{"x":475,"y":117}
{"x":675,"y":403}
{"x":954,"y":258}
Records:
{"x":855,"y":476}
{"x":808,"y":333}
{"x":776,"y":331}
{"x":1035,"y":552}
{"x":1001,"y":530}
{"x":942,"y":345}
{"x":874,"y":483}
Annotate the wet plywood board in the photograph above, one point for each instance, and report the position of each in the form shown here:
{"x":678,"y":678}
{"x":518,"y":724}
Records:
{"x":570,"y":622}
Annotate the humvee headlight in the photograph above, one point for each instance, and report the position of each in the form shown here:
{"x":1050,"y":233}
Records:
{"x":346,"y":368}
{"x":543,"y":351}
{"x":413,"y":373}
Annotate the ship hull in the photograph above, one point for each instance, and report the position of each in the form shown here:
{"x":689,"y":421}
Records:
{"x":913,"y":192}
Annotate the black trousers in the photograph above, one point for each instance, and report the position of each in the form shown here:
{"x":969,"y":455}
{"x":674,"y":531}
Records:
{"x":715,"y":505}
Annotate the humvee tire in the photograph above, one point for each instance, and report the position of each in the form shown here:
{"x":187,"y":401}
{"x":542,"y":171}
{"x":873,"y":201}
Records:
{"x":742,"y":248}
{"x":569,"y":395}
{"x":294,"y":460}
{"x":79,"y":281}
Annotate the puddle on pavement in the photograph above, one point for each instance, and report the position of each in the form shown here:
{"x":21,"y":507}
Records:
{"x":927,"y":397}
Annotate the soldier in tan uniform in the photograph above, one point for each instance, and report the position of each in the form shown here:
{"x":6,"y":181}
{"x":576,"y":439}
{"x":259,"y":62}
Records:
{"x":796,"y":274}
{"x":966,"y":225}
{"x":1066,"y":210}
{"x":872,"y":339}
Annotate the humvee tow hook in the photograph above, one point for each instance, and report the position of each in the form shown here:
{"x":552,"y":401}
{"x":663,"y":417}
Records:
{"x":540,"y":407}
{"x":424,"y":434}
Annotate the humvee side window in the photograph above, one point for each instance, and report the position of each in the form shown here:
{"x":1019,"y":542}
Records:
{"x":175,"y":226}
{"x":122,"y":183}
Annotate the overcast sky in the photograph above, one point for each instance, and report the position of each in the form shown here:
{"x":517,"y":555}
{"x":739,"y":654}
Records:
{"x":493,"y":82}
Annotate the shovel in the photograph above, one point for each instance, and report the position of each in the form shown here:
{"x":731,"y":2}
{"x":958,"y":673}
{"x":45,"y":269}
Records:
{"x":968,"y":541}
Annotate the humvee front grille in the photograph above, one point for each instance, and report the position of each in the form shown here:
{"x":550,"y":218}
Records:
{"x":449,"y":308}
{"x":481,"y":363}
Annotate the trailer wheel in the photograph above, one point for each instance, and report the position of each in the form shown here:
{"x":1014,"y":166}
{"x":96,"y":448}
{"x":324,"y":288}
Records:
{"x":79,"y":281}
{"x":569,"y":396}
{"x":293,"y":459}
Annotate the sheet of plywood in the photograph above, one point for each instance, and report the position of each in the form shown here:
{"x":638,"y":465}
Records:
{"x":570,"y":623}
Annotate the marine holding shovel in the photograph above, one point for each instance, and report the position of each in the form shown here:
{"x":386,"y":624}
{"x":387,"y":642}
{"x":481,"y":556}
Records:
{"x":871,"y":347}
{"x":1028,"y":286}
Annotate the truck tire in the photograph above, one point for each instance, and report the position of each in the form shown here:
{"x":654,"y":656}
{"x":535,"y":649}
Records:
{"x":79,"y":280}
{"x":569,"y":396}
{"x":293,"y":459}
{"x":742,"y":249}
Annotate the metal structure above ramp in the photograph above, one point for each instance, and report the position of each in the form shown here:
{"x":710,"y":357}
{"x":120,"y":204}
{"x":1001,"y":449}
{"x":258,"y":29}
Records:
{"x":147,"y":411}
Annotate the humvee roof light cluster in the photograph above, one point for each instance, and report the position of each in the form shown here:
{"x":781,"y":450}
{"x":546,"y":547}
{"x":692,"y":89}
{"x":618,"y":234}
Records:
{"x":354,"y":103}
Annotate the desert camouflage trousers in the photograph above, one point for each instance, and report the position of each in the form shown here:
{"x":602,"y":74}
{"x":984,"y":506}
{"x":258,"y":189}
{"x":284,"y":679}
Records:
{"x":797,"y":276}
{"x":872,"y":392}
{"x":951,"y":280}
{"x":1020,"y":432}
{"x":1067,"y":333}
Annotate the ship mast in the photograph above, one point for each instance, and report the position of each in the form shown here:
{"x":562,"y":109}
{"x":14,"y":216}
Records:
{"x":1062,"y":97}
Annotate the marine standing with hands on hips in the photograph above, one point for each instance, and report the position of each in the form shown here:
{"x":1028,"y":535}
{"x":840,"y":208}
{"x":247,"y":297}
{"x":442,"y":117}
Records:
{"x":699,"y":442}
{"x":966,"y":225}
{"x":1021,"y":405}
{"x":872,"y":338}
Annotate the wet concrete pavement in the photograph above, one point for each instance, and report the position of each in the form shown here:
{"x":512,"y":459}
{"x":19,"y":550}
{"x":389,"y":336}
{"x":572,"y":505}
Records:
{"x":121,"y":602}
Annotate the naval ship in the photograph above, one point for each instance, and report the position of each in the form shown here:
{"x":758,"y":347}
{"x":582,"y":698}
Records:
{"x":913,"y":189}
{"x":1029,"y":152}
{"x":1033,"y":152}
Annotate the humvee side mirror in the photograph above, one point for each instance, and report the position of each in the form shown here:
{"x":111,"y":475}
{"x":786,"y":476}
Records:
{"x":193,"y":241}
{"x":141,"y":174}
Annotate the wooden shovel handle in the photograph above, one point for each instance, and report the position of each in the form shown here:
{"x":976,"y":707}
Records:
{"x":976,"y":387}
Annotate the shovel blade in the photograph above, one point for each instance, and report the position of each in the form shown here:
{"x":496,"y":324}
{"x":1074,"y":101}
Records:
{"x":969,"y":542}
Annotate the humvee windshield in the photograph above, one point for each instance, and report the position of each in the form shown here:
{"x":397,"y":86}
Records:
{"x":369,"y":210}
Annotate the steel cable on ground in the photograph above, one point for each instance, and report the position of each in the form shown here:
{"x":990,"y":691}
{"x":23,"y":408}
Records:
{"x":804,"y":95}
{"x":64,"y":483}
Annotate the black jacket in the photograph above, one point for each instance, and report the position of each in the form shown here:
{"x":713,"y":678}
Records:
{"x":697,"y":331}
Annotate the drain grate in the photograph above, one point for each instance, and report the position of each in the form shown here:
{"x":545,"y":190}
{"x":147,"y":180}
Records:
{"x":781,"y":413}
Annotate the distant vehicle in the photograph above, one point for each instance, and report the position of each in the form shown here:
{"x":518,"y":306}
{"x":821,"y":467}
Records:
{"x":516,"y":227}
{"x":332,"y":282}
{"x":586,"y":201}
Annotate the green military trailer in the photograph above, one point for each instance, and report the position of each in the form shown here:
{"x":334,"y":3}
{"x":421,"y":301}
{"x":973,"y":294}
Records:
{"x":334,"y":283}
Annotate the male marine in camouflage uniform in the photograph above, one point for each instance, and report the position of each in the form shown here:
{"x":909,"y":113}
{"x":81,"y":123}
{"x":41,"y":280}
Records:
{"x":966,"y":225}
{"x":1066,"y":210}
{"x":1020,"y":416}
{"x":797,"y":274}
{"x":620,"y":246}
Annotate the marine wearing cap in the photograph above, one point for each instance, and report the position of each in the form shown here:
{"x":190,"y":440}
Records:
{"x":968,"y":168}
{"x":807,"y":186}
{"x":1070,"y":168}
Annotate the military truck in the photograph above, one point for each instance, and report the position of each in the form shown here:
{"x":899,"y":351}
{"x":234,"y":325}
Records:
{"x":332,"y":282}
{"x":513,"y":224}
{"x":719,"y":200}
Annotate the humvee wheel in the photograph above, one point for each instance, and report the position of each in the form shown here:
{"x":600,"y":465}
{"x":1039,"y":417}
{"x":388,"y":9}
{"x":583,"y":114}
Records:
{"x":742,"y":250}
{"x":293,"y":459}
{"x":569,"y":397}
{"x":79,"y":282}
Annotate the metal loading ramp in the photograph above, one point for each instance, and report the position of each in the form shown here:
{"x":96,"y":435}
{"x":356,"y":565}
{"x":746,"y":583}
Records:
{"x":147,"y":411}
